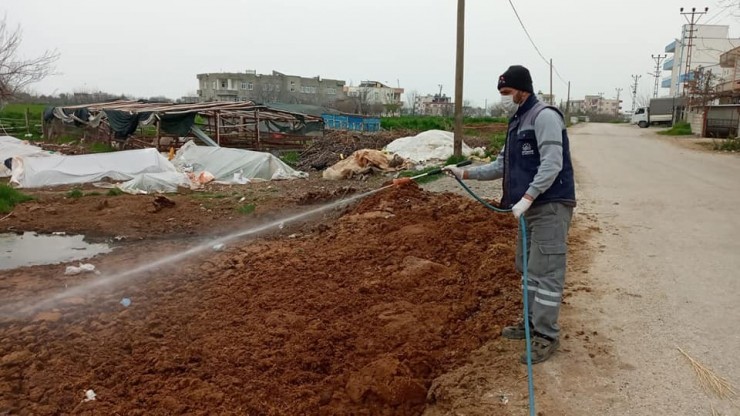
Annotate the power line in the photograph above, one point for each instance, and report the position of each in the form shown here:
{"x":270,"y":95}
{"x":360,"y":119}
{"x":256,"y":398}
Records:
{"x":719,"y":13}
{"x":526,"y":32}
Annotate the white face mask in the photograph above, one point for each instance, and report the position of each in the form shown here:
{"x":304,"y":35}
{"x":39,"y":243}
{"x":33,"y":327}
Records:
{"x":507,"y":101}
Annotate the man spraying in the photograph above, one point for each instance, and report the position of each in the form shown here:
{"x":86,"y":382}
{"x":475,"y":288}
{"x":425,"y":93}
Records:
{"x":538,"y":183}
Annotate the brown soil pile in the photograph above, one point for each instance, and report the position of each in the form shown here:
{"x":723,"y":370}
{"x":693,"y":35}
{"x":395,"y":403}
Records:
{"x":357,"y":317}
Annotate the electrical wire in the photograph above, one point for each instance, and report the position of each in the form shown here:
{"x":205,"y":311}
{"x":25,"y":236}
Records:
{"x":526,"y":32}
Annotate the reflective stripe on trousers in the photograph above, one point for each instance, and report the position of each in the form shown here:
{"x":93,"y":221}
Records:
{"x":547,"y":229}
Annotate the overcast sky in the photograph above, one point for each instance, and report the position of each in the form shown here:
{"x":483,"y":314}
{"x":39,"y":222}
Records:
{"x":156,"y":47}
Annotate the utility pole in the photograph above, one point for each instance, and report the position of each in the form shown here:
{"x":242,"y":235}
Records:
{"x":619,"y":91}
{"x":658,"y":59}
{"x":440,"y":90}
{"x":567,"y":104}
{"x":459,"y":66}
{"x":695,"y":16}
{"x":551,"y":97}
{"x":635,"y":79}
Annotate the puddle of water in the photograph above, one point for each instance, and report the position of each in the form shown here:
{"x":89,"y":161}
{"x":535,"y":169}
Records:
{"x":31,"y":249}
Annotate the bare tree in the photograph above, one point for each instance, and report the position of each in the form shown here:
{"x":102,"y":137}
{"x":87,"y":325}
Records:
{"x":411,"y":97}
{"x":17,"y":73}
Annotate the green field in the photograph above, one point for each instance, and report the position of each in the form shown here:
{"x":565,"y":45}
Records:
{"x":13,"y":119}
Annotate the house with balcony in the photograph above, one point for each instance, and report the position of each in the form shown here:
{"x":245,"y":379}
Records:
{"x":710,"y":42}
{"x":376,"y":98}
{"x":434,"y":105}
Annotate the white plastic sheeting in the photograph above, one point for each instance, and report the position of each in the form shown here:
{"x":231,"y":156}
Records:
{"x":11,"y":147}
{"x":428,"y":146}
{"x":149,"y":183}
{"x":224,"y":162}
{"x":35,"y":172}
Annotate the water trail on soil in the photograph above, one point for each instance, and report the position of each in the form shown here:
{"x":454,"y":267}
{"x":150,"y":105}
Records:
{"x":24,"y":309}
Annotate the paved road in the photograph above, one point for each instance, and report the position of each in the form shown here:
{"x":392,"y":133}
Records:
{"x":665,"y":274}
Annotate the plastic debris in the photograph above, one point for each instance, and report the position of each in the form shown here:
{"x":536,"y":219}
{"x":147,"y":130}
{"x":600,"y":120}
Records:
{"x":82,"y":268}
{"x":218,"y":247}
{"x":126,"y":302}
{"x":89,"y":395}
{"x":239,"y":178}
{"x":242,"y":199}
{"x":281,"y":225}
{"x":58,"y":233}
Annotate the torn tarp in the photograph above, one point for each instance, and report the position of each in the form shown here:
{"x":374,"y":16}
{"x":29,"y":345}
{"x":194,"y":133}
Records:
{"x":35,"y":172}
{"x":224,"y":162}
{"x":365,"y":161}
{"x":125,"y":123}
{"x":11,"y":147}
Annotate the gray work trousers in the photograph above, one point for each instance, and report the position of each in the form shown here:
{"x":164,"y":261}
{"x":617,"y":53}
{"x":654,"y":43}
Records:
{"x":547,"y":231}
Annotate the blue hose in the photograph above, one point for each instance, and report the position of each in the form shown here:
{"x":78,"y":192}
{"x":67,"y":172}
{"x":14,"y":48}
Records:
{"x":525,"y":289}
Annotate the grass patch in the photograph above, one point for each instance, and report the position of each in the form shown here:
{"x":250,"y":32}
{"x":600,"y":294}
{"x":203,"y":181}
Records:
{"x":681,"y":128}
{"x":454,"y":160}
{"x":433,"y":123}
{"x":100,"y":147}
{"x":423,"y":179}
{"x":726,"y":145}
{"x":115,"y":192}
{"x":246,"y":209}
{"x":209,"y":195}
{"x":10,"y":197}
{"x":75,"y":193}
{"x":291,"y":158}
{"x":495,"y":143}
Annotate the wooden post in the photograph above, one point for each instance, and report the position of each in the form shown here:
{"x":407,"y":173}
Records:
{"x":241,"y":126}
{"x":257,"y":128}
{"x":28,"y":121}
{"x":159,"y":132}
{"x":218,"y":128}
{"x":459,"y":63}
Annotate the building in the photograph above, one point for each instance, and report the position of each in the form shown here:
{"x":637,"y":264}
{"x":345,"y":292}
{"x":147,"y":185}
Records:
{"x":710,"y":42}
{"x":275,"y":87}
{"x":595,"y":104}
{"x":376,"y":98}
{"x":728,"y":89}
{"x":434,"y":105}
{"x":546,"y":98}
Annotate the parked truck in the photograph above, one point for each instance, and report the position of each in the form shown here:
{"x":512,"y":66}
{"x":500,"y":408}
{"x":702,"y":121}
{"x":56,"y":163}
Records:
{"x":660,"y":111}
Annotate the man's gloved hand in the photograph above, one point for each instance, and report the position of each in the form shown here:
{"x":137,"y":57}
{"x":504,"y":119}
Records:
{"x":453,"y":170}
{"x":521,"y":207}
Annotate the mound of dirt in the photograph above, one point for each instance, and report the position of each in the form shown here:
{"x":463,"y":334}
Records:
{"x":357,"y":317}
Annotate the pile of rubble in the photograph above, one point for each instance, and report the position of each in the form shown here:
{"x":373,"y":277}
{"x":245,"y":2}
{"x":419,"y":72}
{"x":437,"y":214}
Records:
{"x":337,"y":145}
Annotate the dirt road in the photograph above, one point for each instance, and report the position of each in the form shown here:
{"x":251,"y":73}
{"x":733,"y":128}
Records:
{"x":664,"y":275}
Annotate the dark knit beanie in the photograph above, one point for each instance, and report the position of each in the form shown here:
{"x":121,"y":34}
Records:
{"x":516,"y":77}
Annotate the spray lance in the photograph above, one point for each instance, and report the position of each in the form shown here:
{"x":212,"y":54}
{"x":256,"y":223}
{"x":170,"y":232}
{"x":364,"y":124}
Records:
{"x":436,"y":171}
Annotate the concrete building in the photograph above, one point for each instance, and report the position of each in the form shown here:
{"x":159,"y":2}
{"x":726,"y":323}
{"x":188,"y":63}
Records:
{"x":434,"y":105}
{"x":377,"y":97}
{"x":594,"y":104}
{"x":546,"y":98}
{"x":275,"y":87}
{"x":710,"y":42}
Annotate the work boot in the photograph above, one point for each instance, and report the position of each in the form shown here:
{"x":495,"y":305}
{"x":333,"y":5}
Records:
{"x":542,"y":349}
{"x":516,"y":331}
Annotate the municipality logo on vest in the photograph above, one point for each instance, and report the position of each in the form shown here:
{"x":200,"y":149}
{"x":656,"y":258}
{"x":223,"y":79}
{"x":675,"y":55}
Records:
{"x":527,"y":149}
